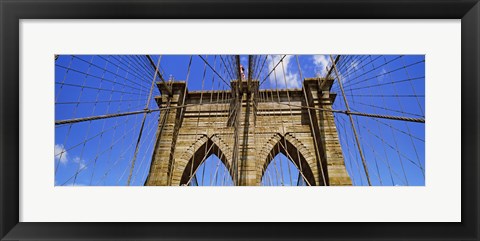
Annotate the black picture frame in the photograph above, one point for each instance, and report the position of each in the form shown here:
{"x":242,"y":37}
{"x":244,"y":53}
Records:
{"x":12,"y":11}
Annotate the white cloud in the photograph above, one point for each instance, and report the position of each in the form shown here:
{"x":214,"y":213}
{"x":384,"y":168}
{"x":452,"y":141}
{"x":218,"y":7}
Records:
{"x":382,"y":74}
{"x":354,"y":64}
{"x":80,"y":162}
{"x":320,"y":62}
{"x":287,"y":80}
{"x":61,"y":154}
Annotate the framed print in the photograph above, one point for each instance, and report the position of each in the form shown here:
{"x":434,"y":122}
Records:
{"x":239,"y":120}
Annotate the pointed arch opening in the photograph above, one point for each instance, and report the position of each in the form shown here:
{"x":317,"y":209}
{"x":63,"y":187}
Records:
{"x":212,"y":172}
{"x":208,"y":159}
{"x":282,"y":172}
{"x":291,"y":155}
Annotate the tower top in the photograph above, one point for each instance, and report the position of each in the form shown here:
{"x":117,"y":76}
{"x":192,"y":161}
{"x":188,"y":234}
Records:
{"x":254,"y":85}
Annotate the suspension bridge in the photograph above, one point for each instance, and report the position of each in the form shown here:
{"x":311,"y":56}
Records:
{"x":239,"y":120}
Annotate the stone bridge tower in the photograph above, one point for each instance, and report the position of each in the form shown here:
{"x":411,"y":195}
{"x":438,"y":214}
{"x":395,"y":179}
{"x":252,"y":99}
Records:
{"x":246,"y":131}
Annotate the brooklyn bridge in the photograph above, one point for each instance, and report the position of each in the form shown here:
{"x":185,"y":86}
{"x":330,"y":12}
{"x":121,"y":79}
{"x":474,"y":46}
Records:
{"x":239,"y":120}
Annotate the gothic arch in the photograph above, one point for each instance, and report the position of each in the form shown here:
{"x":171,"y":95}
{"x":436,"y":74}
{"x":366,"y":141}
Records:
{"x":203,"y":148}
{"x":296,"y":152}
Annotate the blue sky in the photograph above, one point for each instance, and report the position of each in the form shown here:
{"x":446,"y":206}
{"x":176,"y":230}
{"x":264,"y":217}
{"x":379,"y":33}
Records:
{"x":99,"y":152}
